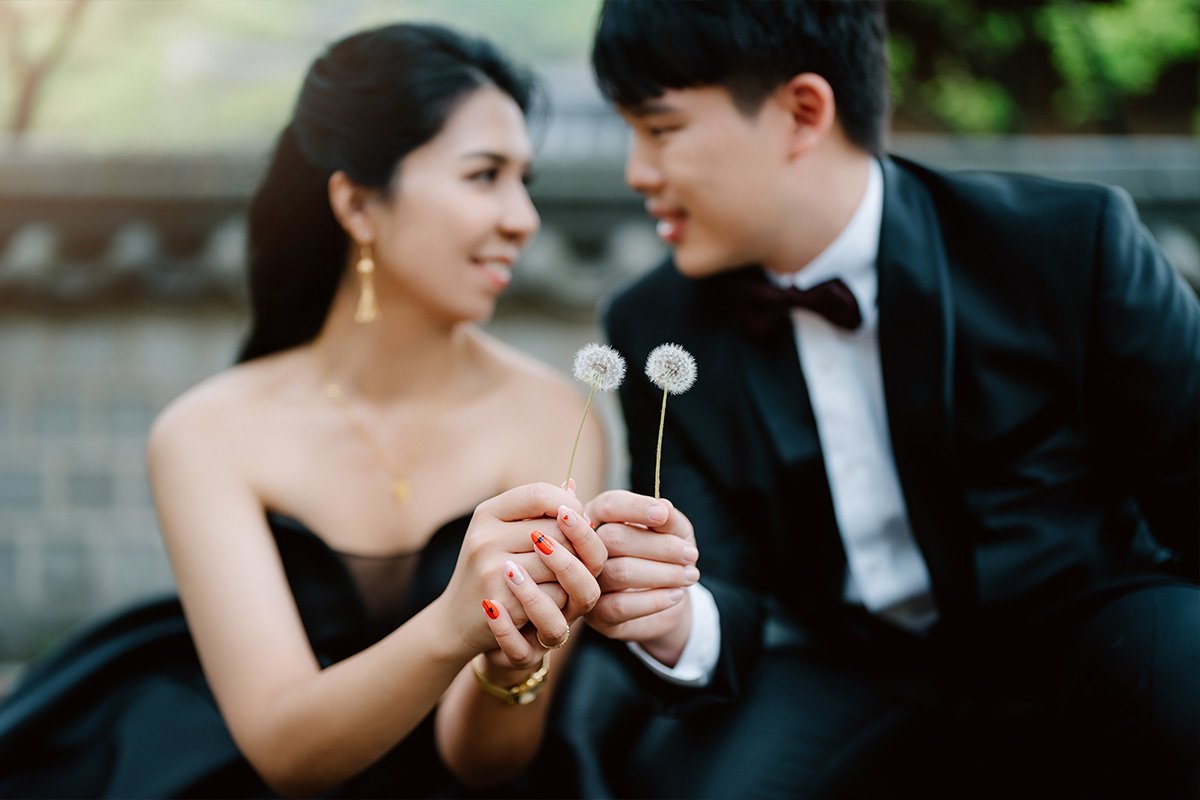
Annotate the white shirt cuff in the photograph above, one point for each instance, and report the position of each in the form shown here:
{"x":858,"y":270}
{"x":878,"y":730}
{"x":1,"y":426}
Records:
{"x":698,"y":660}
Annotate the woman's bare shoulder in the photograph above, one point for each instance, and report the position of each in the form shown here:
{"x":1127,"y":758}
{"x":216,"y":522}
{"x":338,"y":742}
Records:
{"x":519,"y":373}
{"x":227,"y":409}
{"x":543,"y":409}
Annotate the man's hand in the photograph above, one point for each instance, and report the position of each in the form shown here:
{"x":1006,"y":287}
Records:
{"x":651,"y":560}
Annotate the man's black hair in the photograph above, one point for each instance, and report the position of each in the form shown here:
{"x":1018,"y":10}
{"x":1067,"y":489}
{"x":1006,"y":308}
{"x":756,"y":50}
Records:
{"x":751,"y":47}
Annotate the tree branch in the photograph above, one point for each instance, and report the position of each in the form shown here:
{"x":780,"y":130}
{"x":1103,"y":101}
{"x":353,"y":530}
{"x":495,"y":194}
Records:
{"x":34,"y":72}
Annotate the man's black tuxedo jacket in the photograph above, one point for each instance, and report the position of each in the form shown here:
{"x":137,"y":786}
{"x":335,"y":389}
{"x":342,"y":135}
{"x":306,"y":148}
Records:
{"x":1041,"y":370}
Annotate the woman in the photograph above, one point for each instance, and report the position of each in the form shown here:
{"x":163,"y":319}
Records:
{"x":316,"y":499}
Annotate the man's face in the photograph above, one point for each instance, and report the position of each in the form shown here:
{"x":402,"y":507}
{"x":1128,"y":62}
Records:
{"x":711,"y":175}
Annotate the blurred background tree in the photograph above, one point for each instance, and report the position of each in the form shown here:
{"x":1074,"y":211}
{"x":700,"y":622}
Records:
{"x":29,"y":69}
{"x":202,"y":74}
{"x":1046,"y":66}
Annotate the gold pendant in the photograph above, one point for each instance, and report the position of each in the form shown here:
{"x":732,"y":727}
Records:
{"x":400,"y":490}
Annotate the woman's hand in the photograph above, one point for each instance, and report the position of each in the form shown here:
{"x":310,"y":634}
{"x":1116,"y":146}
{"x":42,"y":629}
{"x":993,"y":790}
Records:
{"x":520,"y":648}
{"x":500,"y":531}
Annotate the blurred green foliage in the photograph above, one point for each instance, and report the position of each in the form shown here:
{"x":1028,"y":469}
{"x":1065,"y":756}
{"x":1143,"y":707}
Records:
{"x":1009,"y":66}
{"x":208,"y":74}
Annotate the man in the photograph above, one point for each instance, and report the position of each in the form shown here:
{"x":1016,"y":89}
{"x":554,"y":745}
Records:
{"x":945,"y":490}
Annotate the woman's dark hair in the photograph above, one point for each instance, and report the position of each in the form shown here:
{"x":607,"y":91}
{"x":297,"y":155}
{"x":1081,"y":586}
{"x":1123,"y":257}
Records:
{"x":751,"y":47}
{"x":371,"y":99}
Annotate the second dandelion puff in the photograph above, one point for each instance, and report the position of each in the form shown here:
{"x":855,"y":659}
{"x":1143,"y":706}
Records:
{"x":672,"y":369}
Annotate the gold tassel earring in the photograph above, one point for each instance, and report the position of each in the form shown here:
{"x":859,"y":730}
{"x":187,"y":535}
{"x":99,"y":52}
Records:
{"x":368,"y":309}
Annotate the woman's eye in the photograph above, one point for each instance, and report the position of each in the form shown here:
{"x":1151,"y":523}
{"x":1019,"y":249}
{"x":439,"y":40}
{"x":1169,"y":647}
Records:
{"x":487,"y":175}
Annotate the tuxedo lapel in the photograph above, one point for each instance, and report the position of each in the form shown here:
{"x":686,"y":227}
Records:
{"x":776,"y":384}
{"x":916,"y":346}
{"x":805,"y":525}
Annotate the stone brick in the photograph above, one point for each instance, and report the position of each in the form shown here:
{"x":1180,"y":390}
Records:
{"x":67,"y":579}
{"x":89,"y":346}
{"x":128,"y":417}
{"x":20,"y":490}
{"x":131,"y":571}
{"x":8,"y":574}
{"x":92,"y":489}
{"x":56,"y":417}
{"x":22,"y":344}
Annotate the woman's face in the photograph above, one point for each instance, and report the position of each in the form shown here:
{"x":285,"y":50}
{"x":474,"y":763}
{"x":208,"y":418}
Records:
{"x":459,"y":213}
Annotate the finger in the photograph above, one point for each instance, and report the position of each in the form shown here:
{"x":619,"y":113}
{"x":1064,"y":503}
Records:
{"x":547,"y":527}
{"x":618,"y":505}
{"x":617,"y":608}
{"x":519,"y":549}
{"x":589,"y":548}
{"x":571,"y":574}
{"x":639,"y":573}
{"x":636,"y":630}
{"x":546,"y":617}
{"x":543,"y":576}
{"x":625,"y":540}
{"x":569,"y":485}
{"x":677,"y":522}
{"x":516,"y":647}
{"x":658,"y":515}
{"x":556,"y":593}
{"x":530,"y":501}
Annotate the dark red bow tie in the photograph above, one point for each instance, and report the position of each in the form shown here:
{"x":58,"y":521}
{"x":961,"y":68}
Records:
{"x":765,"y":307}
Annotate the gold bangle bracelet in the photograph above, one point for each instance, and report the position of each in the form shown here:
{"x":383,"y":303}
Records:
{"x":524,"y":692}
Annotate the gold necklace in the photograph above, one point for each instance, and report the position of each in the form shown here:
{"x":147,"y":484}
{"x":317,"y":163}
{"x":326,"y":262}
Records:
{"x":399,"y":489}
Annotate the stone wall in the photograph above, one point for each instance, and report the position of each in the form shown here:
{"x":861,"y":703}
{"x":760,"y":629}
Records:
{"x":78,"y":391}
{"x":120,"y":287}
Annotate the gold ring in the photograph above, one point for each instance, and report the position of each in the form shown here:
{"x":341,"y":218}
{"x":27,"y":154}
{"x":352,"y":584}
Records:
{"x":552,"y":646}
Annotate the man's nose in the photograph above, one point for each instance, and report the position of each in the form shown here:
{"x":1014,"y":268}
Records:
{"x":642,"y":173}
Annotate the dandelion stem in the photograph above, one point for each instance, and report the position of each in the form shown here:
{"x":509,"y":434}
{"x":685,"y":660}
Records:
{"x":571,"y":463}
{"x":658,"y":455}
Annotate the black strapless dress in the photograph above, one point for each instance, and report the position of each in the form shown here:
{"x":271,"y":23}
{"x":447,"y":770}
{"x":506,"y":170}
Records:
{"x":122,"y":709}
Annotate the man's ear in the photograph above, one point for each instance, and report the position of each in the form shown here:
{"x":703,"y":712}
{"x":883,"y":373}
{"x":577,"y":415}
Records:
{"x":808,"y":100}
{"x":351,"y":206}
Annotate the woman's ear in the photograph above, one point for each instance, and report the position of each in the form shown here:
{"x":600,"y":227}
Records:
{"x":351,"y":206}
{"x":808,"y":100}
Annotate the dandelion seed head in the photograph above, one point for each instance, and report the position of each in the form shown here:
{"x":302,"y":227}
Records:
{"x":672,"y":368}
{"x":599,"y":366}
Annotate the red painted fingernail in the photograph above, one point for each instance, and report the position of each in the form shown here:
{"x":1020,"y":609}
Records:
{"x":543,"y":543}
{"x":490,"y":609}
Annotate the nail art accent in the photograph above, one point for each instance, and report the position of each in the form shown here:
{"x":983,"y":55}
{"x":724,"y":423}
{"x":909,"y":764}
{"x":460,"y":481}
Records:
{"x":490,"y":609}
{"x":514,"y":573}
{"x":543,"y":543}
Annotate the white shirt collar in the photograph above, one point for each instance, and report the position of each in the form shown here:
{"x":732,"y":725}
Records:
{"x":852,"y":255}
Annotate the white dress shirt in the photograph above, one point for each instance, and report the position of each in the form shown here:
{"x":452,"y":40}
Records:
{"x":885,"y":571}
